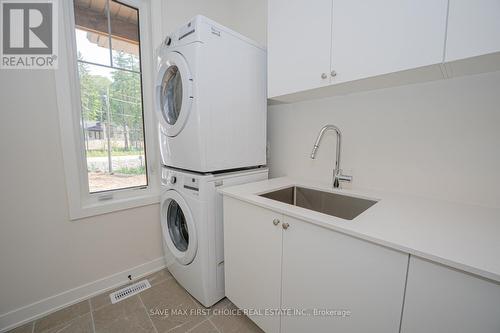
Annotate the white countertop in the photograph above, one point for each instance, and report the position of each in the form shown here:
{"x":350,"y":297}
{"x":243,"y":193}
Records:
{"x":465,"y":237}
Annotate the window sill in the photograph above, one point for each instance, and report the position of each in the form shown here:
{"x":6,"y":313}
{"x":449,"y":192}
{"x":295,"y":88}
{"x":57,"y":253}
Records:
{"x":111,"y":206}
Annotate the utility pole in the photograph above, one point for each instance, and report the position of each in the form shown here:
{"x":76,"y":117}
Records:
{"x":85,"y":132}
{"x":108,"y":131}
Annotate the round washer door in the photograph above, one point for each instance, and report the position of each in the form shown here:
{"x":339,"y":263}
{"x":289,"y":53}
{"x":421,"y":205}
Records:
{"x":178,"y":227}
{"x":174,"y":87}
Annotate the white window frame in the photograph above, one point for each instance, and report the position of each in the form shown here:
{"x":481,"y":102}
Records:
{"x":82,"y":203}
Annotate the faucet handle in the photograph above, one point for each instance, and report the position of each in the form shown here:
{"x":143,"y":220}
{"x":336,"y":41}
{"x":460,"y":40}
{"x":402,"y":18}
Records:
{"x":344,"y":178}
{"x":339,"y":177}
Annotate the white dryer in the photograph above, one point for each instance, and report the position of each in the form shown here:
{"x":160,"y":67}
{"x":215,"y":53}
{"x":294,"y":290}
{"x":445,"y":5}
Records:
{"x":211,"y":99}
{"x":191,"y":221}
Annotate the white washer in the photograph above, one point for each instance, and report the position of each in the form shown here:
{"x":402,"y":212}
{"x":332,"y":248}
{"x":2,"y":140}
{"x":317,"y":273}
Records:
{"x":211,"y":99}
{"x":191,"y":221}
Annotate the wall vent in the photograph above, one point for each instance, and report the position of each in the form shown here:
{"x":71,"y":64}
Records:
{"x":129,"y":291}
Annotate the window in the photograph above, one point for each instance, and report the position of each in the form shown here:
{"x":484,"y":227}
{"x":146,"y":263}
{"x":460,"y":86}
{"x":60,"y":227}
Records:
{"x":108,"y":44}
{"x":104,"y":92}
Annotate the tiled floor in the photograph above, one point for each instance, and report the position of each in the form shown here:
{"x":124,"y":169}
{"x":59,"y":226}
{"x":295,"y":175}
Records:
{"x":159,"y":309}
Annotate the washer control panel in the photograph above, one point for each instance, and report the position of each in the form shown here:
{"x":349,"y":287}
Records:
{"x":191,"y":183}
{"x":174,"y":179}
{"x":168,"y":177}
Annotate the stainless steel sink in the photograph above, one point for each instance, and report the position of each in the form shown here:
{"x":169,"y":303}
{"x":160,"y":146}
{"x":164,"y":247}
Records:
{"x":343,"y":206}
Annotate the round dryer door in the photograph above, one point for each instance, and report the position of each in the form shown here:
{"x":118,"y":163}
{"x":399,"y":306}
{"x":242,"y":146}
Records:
{"x":178,"y":227}
{"x":173,"y":93}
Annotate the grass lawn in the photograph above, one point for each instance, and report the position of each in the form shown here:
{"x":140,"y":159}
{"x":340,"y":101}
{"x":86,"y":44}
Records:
{"x":131,"y":171}
{"x":114,"y":152}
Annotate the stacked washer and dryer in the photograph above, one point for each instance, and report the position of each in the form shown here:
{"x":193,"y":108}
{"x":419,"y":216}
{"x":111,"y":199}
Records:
{"x":211,"y":107}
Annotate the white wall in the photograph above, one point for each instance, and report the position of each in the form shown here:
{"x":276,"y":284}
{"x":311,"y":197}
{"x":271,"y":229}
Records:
{"x":438,"y":139}
{"x":246,"y":17}
{"x":42,"y":252}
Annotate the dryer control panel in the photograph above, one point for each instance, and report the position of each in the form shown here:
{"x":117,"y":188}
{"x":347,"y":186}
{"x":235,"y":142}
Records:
{"x":188,"y":33}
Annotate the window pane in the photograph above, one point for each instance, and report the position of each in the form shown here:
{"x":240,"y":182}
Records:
{"x":113,"y":127}
{"x":111,"y":92}
{"x":92,"y":33}
{"x":125,"y":36}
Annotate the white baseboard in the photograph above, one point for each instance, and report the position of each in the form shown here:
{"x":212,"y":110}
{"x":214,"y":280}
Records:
{"x":50,"y":304}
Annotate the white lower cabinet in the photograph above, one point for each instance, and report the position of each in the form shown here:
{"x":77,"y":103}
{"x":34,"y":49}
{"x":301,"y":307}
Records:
{"x":323,"y":269}
{"x":252,"y":259}
{"x":277,"y":262}
{"x":441,"y":299}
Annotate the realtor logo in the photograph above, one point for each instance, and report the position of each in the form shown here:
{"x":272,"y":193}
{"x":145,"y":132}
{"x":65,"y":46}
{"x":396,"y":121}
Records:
{"x":29,"y":34}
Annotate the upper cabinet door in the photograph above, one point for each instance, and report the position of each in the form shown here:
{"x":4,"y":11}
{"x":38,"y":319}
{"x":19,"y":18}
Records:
{"x":299,"y":41}
{"x":372,"y":38}
{"x":473,"y":28}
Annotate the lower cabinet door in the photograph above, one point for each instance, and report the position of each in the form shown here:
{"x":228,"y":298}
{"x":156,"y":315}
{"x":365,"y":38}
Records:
{"x":252,"y":254}
{"x":442,"y":299}
{"x":343,"y":284}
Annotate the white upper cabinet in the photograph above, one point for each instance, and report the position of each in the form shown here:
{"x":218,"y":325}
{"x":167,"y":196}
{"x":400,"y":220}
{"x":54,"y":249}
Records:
{"x":372,"y":38}
{"x":299,"y":35}
{"x":473,"y":28}
{"x":323,"y":43}
{"x":312,"y":44}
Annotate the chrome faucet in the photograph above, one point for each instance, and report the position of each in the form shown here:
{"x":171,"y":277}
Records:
{"x":337,"y":171}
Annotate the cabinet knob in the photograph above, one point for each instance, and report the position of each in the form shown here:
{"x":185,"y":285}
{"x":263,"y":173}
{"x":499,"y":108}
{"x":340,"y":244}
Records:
{"x":276,"y":221}
{"x":324,"y":76}
{"x":333,"y":73}
{"x":285,"y":225}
